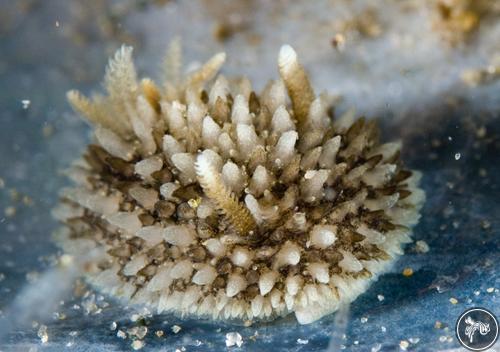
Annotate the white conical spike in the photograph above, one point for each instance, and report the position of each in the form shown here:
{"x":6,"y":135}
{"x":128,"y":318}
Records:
{"x":323,"y":236}
{"x":113,"y":144}
{"x":167,"y":190}
{"x":247,"y":139}
{"x":285,"y":148}
{"x":318,"y":118}
{"x":215,"y":247}
{"x":235,"y":284}
{"x":184,"y":162}
{"x":293,"y":284}
{"x":261,"y":180}
{"x":210,"y":132}
{"x":146,"y":197}
{"x":310,"y":159}
{"x":319,"y":271}
{"x":162,"y":279}
{"x":179,"y":235}
{"x":241,"y":113}
{"x":147,"y":166}
{"x":135,"y":264}
{"x":226,"y":145}
{"x":242,"y":257}
{"x":213,"y":158}
{"x":153,"y":235}
{"x":256,"y":305}
{"x":233,"y":177}
{"x":220,"y":90}
{"x":195,"y":114}
{"x":350,"y":263}
{"x":267,"y":281}
{"x":124,"y":220}
{"x":274,"y":95}
{"x":329,"y":152}
{"x":387,"y":150}
{"x":172,"y":146}
{"x":182,"y":270}
{"x":289,"y":254}
{"x":205,"y":275}
{"x":254,"y":208}
{"x":281,"y":121}
{"x":311,"y":186}
{"x":174,"y":114}
{"x":371,"y":236}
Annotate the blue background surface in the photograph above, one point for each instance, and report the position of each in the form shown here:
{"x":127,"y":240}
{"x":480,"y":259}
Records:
{"x":460,"y":220}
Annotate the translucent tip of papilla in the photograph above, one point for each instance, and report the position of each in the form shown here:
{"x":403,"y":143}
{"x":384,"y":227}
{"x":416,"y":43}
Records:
{"x":287,"y":56}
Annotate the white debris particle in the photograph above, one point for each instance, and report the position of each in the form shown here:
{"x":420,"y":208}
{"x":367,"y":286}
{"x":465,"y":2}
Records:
{"x":414,"y":340}
{"x":137,"y":344}
{"x":73,"y":333}
{"x":176,"y":329}
{"x":159,"y":333}
{"x":485,"y":224}
{"x":302,"y":342}
{"x":233,"y":338}
{"x":112,"y":326}
{"x":453,"y":300}
{"x":42,"y":334}
{"x":457,"y":156}
{"x":26,"y":103}
{"x":490,"y":289}
{"x":377,"y":347}
{"x":403,"y":344}
{"x":198,"y":343}
{"x":383,"y":328}
{"x":90,"y":306}
{"x":380,"y":297}
{"x":10,"y":211}
{"x":138,"y":331}
{"x":343,"y":347}
{"x":421,"y":247}
{"x":356,"y":342}
{"x":442,"y":338}
{"x":364,"y":319}
{"x":134,"y":317}
{"x":58,"y":316}
{"x":121,"y":334}
{"x":70,"y":344}
{"x":2,"y":277}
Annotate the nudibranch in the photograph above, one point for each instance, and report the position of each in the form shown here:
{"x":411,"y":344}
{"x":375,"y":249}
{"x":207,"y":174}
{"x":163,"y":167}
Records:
{"x":204,"y":198}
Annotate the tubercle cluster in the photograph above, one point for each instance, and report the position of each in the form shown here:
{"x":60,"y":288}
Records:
{"x":205,"y":198}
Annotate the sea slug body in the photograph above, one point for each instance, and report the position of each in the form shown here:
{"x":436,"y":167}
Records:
{"x":204,"y":198}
